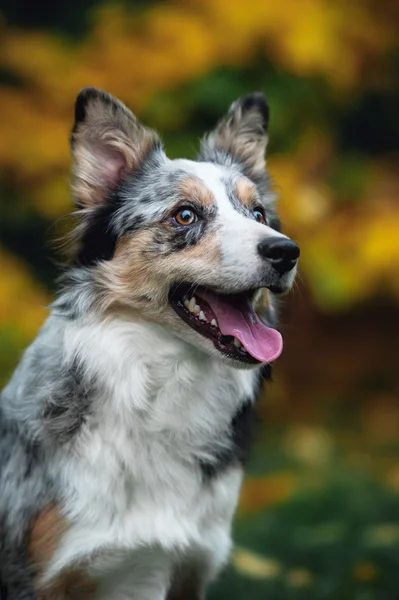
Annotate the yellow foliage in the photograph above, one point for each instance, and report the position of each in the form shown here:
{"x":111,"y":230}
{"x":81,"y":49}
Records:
{"x":135,"y":55}
{"x":253,"y":565}
{"x":310,"y":445}
{"x":34,"y":139}
{"x":352,"y":255}
{"x":263,"y":492}
{"x":346,"y":253}
{"x":382,"y":535}
{"x":311,"y":36}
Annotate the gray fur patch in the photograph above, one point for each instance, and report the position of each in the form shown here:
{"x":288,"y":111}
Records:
{"x":146,"y":195}
{"x":48,"y":394}
{"x":44,"y":405}
{"x":66,"y":410}
{"x":24,"y":490}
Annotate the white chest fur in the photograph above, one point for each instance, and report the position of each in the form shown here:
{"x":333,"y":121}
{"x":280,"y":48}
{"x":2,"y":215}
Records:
{"x":133,"y":479}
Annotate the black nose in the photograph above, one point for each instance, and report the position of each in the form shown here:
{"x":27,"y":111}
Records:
{"x":282,"y":253}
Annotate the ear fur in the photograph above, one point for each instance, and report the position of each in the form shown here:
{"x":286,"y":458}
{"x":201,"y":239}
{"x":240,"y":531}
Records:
{"x":107,"y":142}
{"x":240,"y":136}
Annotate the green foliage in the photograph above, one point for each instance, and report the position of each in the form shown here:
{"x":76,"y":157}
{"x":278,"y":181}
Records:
{"x":338,"y":542}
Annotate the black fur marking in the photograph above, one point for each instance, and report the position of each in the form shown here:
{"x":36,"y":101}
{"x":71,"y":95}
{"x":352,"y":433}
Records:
{"x":17,"y":590}
{"x":273,"y":221}
{"x":184,"y":237}
{"x":241,"y":437}
{"x":100,"y":233}
{"x":98,"y":239}
{"x":146,"y":199}
{"x":67,"y":409}
{"x":256,"y":101}
{"x":84,"y":97}
{"x":242,"y":430}
{"x":265,"y":374}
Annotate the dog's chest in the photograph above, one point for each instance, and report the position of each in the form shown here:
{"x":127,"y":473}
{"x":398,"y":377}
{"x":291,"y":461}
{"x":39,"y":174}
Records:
{"x":137,"y":481}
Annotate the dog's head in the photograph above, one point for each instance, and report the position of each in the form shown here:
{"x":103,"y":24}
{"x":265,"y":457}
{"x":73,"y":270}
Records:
{"x":185,"y":244}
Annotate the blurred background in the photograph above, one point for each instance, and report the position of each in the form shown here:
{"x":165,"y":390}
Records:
{"x":319,"y":513}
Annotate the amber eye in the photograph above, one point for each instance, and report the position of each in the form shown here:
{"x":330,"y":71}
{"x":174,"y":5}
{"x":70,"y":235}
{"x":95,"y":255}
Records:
{"x":186,"y":216}
{"x":259,"y":215}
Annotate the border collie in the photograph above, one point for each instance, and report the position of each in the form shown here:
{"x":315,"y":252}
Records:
{"x":124,"y":428}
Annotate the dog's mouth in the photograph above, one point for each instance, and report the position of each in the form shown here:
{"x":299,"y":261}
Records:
{"x":229,"y":321}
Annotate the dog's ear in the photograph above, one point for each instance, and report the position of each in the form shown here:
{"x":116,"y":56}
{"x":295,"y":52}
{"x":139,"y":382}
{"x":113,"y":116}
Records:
{"x":107,"y":142}
{"x":241,"y":136}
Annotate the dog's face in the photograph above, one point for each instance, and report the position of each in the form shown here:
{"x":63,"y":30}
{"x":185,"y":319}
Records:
{"x":190,"y":245}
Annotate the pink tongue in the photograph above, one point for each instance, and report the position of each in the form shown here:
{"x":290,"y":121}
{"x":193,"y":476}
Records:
{"x":262,"y":342}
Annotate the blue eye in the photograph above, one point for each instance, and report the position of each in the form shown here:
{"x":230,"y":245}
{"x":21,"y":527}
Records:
{"x":259,"y":215}
{"x":186,"y":216}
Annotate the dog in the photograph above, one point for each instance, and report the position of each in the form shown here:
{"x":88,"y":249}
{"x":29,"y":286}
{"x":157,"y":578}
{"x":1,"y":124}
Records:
{"x":125,"y":427}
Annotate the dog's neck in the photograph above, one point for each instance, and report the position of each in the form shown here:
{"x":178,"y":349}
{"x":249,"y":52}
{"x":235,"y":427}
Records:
{"x":121,"y":351}
{"x":157,"y":391}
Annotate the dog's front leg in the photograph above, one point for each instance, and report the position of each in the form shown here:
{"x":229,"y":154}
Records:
{"x":146,"y":576}
{"x":137,"y":586}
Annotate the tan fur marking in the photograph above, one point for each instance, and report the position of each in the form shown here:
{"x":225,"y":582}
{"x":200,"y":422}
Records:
{"x":46,"y":533}
{"x":140,"y":278}
{"x":246,"y":192}
{"x":128,"y":275}
{"x":191,"y":188}
{"x":71,"y":585}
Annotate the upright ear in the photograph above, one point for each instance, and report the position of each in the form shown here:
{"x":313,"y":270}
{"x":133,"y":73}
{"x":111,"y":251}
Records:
{"x":107,"y":142}
{"x":241,"y":136}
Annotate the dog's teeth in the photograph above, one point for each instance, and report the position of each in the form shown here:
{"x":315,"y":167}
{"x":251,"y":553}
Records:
{"x":237,"y":343}
{"x":197,"y":309}
{"x":202,"y":316}
{"x":214,"y":323}
{"x":186,"y":303}
{"x":192,"y":304}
